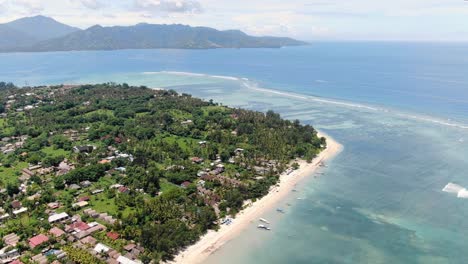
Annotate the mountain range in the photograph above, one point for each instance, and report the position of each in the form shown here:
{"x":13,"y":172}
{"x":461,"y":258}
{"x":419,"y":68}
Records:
{"x":40,"y":34}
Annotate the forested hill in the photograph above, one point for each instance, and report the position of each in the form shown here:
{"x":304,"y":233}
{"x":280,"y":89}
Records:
{"x":166,"y":167}
{"x":40,"y":34}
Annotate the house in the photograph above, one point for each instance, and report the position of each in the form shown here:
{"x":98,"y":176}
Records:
{"x":53,"y":205}
{"x":74,"y":187}
{"x":16,"y":204}
{"x":39,"y":258}
{"x":85,"y":184}
{"x":64,"y":167}
{"x":115,"y":186}
{"x":45,"y":171}
{"x":196,"y":160}
{"x":91,"y":212}
{"x":114,"y":254}
{"x":4,"y":217}
{"x":77,"y":226}
{"x":129,"y":247}
{"x":101,"y":248}
{"x":97,"y":191}
{"x":238,"y":151}
{"x":186,"y":122}
{"x":73,"y":135}
{"x":123,"y":189}
{"x":11,"y":239}
{"x":80,"y":204}
{"x":6,"y":257}
{"x":83,"y":149}
{"x":38,"y":240}
{"x":56,"y":232}
{"x":125,"y":260}
{"x":104,"y":161}
{"x":83,"y":199}
{"x":27,"y":173}
{"x":20,"y":211}
{"x":185,"y":184}
{"x":113,"y":235}
{"x":35,"y":167}
{"x":89,"y":240}
{"x":58,"y":217}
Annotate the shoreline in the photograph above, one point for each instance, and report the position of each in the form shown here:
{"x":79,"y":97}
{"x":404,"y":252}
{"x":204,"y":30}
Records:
{"x":214,"y":240}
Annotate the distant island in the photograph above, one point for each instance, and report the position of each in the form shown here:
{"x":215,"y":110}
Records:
{"x":42,"y":34}
{"x":105,"y":173}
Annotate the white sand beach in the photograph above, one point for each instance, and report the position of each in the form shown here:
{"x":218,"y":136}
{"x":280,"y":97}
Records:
{"x":213,"y":240}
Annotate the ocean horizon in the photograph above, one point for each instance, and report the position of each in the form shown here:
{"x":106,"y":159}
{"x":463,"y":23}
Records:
{"x":399,"y":109}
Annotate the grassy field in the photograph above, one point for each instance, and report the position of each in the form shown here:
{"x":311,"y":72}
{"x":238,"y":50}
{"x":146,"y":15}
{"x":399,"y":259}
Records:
{"x":50,"y":151}
{"x":166,"y":186}
{"x":103,"y":204}
{"x":101,"y":112}
{"x":10,"y":175}
{"x":6,"y":130}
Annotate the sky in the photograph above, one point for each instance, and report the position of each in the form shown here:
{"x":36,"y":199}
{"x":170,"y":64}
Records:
{"x":393,"y":20}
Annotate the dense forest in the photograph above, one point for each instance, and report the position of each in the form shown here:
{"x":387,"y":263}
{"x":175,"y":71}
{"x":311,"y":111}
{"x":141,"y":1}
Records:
{"x":166,"y":166}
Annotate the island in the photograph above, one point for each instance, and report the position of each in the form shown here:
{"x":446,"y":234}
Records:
{"x":44,"y":34}
{"x":111,"y":173}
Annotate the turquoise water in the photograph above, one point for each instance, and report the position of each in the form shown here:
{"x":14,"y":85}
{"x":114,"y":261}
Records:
{"x":400,"y":110}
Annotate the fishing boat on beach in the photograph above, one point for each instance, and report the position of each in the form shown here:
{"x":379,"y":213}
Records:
{"x":264,"y":227}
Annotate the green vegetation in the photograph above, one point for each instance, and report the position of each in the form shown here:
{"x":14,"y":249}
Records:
{"x":166,"y":166}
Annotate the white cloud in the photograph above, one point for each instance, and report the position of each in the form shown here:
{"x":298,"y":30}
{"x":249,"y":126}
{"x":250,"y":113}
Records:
{"x":92,"y":4}
{"x":303,"y":19}
{"x":168,"y":6}
{"x":27,"y":7}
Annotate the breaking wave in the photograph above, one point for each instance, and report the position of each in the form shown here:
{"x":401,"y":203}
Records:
{"x":460,"y":191}
{"x":254,"y":86}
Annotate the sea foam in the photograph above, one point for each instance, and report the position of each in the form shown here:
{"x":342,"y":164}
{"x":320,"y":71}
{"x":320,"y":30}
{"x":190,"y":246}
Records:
{"x":254,"y":86}
{"x":456,"y":189}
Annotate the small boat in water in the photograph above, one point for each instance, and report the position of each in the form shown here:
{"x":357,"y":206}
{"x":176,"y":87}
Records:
{"x":264,"y":220}
{"x":279,"y":210}
{"x":264,"y":227}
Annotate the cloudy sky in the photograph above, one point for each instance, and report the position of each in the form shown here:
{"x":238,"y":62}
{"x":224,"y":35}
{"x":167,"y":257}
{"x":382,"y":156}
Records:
{"x":412,"y":20}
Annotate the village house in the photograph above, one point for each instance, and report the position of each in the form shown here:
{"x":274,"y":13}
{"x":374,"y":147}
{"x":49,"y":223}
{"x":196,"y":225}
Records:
{"x":64,"y":167}
{"x":89,"y":240}
{"x":9,"y":256}
{"x":73,"y":135}
{"x":40,"y":259}
{"x":11,"y":239}
{"x":80,"y":204}
{"x":197,"y":160}
{"x":83,"y":149}
{"x":185,"y":184}
{"x":38,"y":240}
{"x":56,"y":232}
{"x":58,"y":217}
{"x":113,"y":235}
{"x":20,"y":211}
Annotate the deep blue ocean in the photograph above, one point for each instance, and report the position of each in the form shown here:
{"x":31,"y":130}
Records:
{"x":399,"y":109}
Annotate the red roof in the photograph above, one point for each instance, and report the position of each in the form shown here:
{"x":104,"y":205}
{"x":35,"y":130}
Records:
{"x":37,"y":240}
{"x":16,"y":261}
{"x":82,"y":226}
{"x":123,"y":189}
{"x":84,"y":198}
{"x":16,"y":204}
{"x":56,"y":231}
{"x":113,"y":235}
